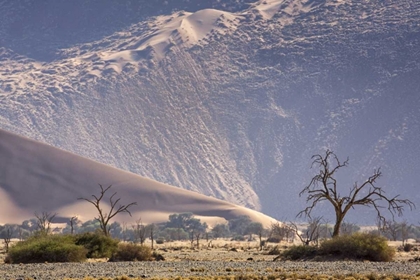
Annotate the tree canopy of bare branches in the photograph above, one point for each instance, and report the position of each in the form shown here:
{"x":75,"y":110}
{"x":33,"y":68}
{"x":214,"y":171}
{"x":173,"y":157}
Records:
{"x":324,"y":187}
{"x":115,"y":208}
{"x":43,"y":222}
{"x":311,"y":233}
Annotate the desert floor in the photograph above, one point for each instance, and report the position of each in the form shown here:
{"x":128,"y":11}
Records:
{"x":222,"y":258}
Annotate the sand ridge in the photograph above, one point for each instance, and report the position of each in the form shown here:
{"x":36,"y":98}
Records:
{"x":37,"y":177}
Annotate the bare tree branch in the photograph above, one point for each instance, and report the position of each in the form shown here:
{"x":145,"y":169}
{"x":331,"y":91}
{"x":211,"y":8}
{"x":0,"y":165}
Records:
{"x":323,"y":187}
{"x":115,"y":209}
{"x":44,"y":221}
{"x":312,"y":232}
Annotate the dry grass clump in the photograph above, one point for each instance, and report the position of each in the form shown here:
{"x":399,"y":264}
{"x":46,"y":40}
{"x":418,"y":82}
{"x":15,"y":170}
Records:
{"x":358,"y":246}
{"x":131,"y":252}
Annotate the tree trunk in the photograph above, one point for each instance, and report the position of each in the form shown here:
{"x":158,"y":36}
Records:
{"x":338,"y":222}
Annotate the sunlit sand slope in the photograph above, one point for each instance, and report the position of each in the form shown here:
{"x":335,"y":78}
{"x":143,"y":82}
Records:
{"x":36,"y":177}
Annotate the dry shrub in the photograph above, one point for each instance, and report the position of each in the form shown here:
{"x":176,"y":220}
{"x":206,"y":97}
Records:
{"x":359,"y":246}
{"x":297,"y":252}
{"x":274,"y":251}
{"x":131,"y":252}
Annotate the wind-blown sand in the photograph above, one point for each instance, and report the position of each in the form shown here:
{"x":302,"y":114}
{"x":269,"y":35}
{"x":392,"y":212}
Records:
{"x":36,"y":177}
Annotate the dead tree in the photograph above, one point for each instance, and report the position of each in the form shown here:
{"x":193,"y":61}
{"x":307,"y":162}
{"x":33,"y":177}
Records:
{"x":7,"y":238}
{"x":281,"y":231}
{"x":311,"y":234}
{"x":140,"y":231}
{"x":103,"y":217}
{"x":43,"y":222}
{"x":73,"y":220}
{"x":348,"y":228}
{"x":151,"y":229}
{"x":404,"y":227}
{"x":391,"y":228}
{"x":323,"y":187}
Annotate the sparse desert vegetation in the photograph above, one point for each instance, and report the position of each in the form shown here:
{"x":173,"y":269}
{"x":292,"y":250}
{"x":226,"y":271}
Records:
{"x":358,"y":246}
{"x":224,"y":259}
{"x":240,"y":248}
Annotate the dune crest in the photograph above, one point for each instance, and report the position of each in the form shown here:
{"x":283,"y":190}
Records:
{"x":37,"y":177}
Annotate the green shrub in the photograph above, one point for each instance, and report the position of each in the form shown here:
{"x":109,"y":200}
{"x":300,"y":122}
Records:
{"x":54,"y":248}
{"x":97,"y":244}
{"x":360,"y":246}
{"x":297,"y":252}
{"x":131,"y":252}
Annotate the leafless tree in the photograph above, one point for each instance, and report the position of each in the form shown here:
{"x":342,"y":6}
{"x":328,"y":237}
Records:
{"x":391,"y":228}
{"x":115,"y":209}
{"x":43,"y":222}
{"x":404,"y":228}
{"x":7,"y":238}
{"x":20,"y":233}
{"x":325,"y":230}
{"x":380,"y":226}
{"x":151,"y":229}
{"x":73,"y":221}
{"x":323,"y":187}
{"x":124,"y":231}
{"x":140,"y":231}
{"x":197,"y":238}
{"x":348,"y":228}
{"x":311,"y":234}
{"x":281,"y":231}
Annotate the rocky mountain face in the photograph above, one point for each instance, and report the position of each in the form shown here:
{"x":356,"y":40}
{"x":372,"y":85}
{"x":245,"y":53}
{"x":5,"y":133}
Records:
{"x":227,"y":98}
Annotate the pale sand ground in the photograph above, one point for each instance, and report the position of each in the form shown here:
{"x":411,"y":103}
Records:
{"x":219,"y":260}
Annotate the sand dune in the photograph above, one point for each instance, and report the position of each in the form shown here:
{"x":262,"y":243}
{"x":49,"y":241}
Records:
{"x":38,"y":177}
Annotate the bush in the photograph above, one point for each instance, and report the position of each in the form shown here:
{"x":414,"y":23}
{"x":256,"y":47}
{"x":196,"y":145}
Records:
{"x":408,"y":247}
{"x":274,"y":239}
{"x":274,"y":251}
{"x":55,"y":248}
{"x":97,"y":244}
{"x":131,"y":252}
{"x":297,"y":252}
{"x":238,"y":238}
{"x":160,"y":241}
{"x":359,"y":246}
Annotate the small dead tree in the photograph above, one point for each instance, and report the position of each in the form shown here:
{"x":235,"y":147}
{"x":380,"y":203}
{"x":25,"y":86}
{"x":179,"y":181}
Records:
{"x":140,"y":232}
{"x":151,"y":229}
{"x":281,"y":231}
{"x":404,"y":228}
{"x":73,"y":221}
{"x":103,"y":217}
{"x":20,"y":233}
{"x":7,"y":238}
{"x":348,"y":228}
{"x":325,"y":230}
{"x":43,"y":222}
{"x":311,"y":234}
{"x":124,"y":231}
{"x":391,"y":228}
{"x":323,"y":187}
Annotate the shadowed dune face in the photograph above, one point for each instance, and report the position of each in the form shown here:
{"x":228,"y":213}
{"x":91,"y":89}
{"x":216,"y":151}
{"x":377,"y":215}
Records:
{"x":36,"y":177}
